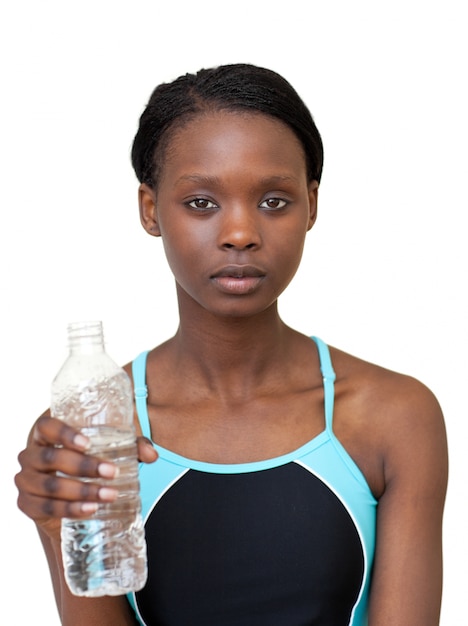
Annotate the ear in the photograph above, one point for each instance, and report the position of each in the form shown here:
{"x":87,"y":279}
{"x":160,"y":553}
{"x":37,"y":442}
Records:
{"x":313,"y":201}
{"x":148,"y":212}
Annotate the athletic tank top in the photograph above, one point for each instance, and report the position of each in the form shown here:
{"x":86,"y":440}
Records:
{"x":287,"y":541}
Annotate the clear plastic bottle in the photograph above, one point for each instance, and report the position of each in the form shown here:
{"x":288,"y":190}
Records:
{"x":104,"y":554}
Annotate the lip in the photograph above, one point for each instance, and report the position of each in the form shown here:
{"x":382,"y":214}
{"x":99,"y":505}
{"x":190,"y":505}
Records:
{"x":238,"y":271}
{"x":238,"y":279}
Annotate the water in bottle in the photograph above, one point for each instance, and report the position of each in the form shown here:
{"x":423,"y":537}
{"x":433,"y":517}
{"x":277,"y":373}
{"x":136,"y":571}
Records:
{"x":104,"y":554}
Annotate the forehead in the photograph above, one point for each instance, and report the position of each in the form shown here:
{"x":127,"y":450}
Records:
{"x":229,"y":140}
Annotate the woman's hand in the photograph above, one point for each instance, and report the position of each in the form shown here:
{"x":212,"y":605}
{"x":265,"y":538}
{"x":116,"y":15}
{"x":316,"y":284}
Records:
{"x":146,"y":451}
{"x":52,"y":465}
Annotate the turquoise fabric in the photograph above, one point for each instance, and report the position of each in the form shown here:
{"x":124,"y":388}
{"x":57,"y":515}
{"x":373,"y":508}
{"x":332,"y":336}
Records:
{"x":323,"y":456}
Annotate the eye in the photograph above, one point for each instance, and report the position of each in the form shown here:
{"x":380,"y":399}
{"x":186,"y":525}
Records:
{"x":201,"y":204}
{"x":273,"y":204}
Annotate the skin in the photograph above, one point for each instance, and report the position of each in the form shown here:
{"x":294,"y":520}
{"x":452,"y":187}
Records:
{"x":233,"y":207}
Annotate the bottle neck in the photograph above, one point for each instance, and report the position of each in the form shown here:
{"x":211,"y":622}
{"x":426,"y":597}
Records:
{"x":85,"y":338}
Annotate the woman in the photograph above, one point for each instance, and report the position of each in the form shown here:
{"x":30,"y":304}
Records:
{"x":296,"y":484}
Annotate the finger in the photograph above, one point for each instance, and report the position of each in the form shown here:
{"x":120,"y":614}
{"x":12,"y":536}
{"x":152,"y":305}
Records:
{"x":51,"y":431}
{"x":52,"y":486}
{"x":38,"y":508}
{"x":50,"y":459}
{"x":146,"y":451}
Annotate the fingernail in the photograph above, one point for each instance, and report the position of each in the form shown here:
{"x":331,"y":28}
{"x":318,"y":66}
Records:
{"x":106,"y":470}
{"x":81,"y":441}
{"x":89,"y":507}
{"x":105,"y":493}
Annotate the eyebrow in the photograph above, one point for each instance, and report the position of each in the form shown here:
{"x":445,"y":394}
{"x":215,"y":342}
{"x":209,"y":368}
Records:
{"x":199,"y":178}
{"x":216,"y":181}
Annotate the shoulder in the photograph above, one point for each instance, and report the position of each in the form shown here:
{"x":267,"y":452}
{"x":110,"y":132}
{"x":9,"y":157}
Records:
{"x":387,"y":394}
{"x":391,"y":422}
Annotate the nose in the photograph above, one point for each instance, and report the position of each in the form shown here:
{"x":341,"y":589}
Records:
{"x":239,"y":228}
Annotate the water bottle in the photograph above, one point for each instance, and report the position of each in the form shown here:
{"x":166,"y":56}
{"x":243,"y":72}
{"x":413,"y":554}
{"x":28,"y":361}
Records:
{"x":104,"y":554}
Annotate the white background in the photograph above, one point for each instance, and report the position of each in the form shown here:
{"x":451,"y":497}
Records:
{"x":384,"y":271}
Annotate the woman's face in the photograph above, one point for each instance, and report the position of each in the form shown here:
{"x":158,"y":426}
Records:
{"x":233,"y":206}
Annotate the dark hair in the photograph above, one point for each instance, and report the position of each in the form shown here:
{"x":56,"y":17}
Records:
{"x":236,"y":87}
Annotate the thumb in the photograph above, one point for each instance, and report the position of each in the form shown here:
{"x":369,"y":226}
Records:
{"x":146,"y":451}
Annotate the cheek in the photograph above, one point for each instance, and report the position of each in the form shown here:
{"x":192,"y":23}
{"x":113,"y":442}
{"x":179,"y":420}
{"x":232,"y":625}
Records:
{"x":289,"y":254}
{"x":290,"y":242}
{"x":186,"y":248}
{"x":180,"y":232}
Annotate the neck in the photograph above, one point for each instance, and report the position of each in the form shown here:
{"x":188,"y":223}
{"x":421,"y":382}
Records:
{"x":231,"y":355}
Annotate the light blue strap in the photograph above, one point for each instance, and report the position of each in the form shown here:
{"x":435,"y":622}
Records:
{"x":329,"y":377}
{"x":141,"y":392}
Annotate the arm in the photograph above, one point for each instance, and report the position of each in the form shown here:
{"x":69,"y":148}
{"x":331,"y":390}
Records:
{"x":407,"y":581}
{"x":46,"y":497}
